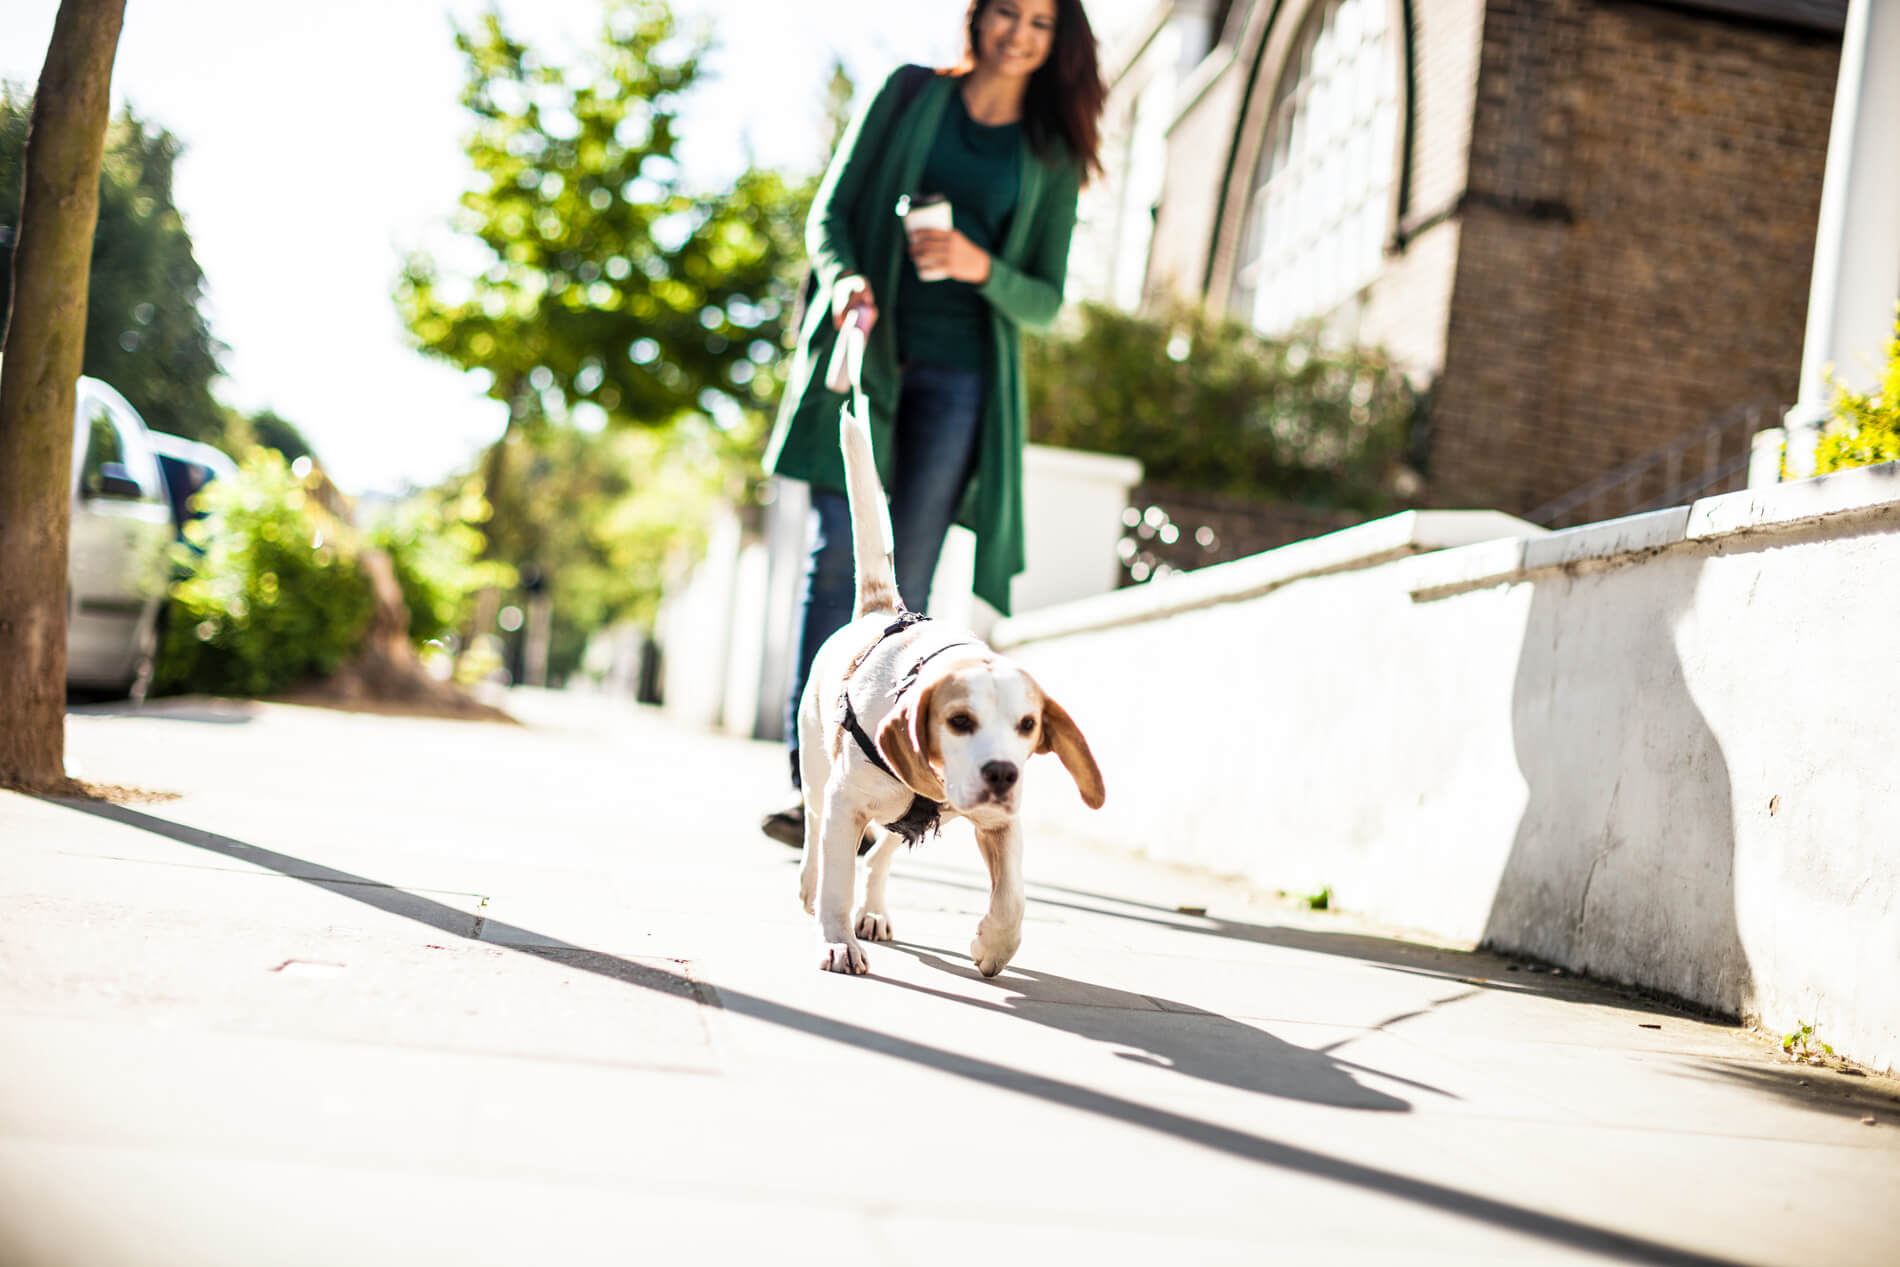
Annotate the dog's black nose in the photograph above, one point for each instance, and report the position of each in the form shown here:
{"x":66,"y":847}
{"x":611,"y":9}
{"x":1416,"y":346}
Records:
{"x":1000,"y":776}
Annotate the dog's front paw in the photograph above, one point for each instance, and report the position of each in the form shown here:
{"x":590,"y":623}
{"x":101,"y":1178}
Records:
{"x":873,"y":925}
{"x":808,"y":891}
{"x":992,"y":950}
{"x":843,"y":956}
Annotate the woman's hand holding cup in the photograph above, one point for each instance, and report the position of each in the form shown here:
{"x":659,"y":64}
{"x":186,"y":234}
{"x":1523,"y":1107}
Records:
{"x":941,"y":253}
{"x":937,"y":247}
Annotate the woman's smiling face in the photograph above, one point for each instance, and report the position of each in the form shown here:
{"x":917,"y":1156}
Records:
{"x":1014,"y":36}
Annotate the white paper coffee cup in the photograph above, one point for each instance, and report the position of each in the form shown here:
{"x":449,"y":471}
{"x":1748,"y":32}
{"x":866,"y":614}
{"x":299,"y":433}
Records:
{"x":926,"y":211}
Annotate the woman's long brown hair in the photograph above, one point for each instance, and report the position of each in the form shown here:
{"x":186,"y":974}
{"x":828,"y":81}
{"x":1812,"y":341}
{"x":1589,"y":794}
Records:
{"x":1065,"y":95}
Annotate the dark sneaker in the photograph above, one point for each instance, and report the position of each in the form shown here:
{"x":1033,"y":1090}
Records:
{"x":787,"y":826}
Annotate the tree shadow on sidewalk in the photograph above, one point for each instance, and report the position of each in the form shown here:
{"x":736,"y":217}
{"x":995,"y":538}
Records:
{"x":1483,"y":969}
{"x":1258,"y":1149}
{"x":1173,"y":1036}
{"x":200,"y":710}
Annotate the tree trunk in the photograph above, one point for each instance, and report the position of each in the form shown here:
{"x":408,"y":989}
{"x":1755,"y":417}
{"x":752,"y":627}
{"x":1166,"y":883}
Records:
{"x":538,"y":639}
{"x":39,"y":375}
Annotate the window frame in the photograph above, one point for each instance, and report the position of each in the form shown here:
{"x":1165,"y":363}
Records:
{"x":1375,"y":133}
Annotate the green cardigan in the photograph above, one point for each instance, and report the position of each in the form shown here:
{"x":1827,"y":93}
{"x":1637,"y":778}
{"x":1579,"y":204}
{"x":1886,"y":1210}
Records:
{"x":854,"y":229}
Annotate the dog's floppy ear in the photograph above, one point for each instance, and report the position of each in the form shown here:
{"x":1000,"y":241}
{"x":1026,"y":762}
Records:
{"x":908,"y":743}
{"x":1063,"y":737}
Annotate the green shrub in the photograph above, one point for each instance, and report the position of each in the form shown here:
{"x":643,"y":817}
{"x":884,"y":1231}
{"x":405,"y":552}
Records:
{"x":275,"y":596}
{"x":1207,"y":405}
{"x":436,"y":550}
{"x":1865,"y":430}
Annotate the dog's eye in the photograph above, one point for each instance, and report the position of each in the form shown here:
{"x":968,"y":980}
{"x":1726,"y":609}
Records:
{"x":962,"y":724}
{"x":1027,"y":726}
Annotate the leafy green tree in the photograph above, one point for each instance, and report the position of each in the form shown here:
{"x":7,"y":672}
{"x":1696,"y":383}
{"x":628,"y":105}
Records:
{"x":634,"y":328}
{"x":145,"y":332}
{"x":604,"y":516}
{"x":607,"y":291}
{"x":840,"y":92}
{"x":274,"y":431}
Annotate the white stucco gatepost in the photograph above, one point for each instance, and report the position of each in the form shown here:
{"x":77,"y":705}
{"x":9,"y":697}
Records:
{"x":1857,"y":247}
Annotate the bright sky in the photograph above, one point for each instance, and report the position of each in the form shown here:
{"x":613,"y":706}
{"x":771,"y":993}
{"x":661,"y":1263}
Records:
{"x":323,"y":141}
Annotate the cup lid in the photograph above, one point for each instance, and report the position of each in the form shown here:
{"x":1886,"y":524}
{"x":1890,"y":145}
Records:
{"x":908,"y":203}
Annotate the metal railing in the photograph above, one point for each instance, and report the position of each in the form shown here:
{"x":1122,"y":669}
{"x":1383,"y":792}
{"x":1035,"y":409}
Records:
{"x":1711,"y":459}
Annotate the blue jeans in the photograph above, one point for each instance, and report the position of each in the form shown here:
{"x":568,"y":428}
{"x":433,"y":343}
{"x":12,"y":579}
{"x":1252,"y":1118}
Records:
{"x":939,"y":412}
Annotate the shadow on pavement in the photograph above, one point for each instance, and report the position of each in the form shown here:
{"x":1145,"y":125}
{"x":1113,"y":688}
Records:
{"x":1259,"y":1149}
{"x":203,"y":712}
{"x":1816,"y":1089}
{"x":1174,"y":1036}
{"x":1482,"y":969}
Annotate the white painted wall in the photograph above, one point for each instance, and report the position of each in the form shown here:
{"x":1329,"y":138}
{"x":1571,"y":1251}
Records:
{"x":1660,"y":750}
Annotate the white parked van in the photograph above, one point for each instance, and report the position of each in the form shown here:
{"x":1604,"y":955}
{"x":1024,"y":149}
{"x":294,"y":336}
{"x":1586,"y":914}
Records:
{"x":122,"y":531}
{"x":187,"y":466}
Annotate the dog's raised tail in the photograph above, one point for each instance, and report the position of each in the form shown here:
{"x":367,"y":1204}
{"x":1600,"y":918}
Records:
{"x":870,"y":516}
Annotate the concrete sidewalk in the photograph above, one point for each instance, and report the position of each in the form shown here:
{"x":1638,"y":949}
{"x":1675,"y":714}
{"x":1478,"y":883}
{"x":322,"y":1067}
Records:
{"x":388,"y":991}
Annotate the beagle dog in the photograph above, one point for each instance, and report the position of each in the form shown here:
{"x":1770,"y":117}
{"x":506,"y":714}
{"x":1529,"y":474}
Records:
{"x":906,"y":724}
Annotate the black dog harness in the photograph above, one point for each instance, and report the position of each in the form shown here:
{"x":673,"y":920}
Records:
{"x":924,"y":817}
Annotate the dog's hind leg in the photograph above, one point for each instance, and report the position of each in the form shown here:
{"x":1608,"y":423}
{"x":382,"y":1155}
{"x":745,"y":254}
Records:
{"x":841,"y":826}
{"x":1001,"y":930}
{"x":873,"y":920}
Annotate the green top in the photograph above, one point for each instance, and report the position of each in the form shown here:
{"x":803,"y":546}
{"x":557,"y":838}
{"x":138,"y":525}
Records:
{"x":854,"y":230}
{"x":976,"y":167}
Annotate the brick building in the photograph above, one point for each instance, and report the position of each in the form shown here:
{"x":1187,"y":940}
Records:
{"x":1587,"y":225}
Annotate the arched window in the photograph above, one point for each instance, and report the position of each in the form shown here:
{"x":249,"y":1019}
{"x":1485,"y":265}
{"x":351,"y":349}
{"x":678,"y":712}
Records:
{"x":1317,"y":214}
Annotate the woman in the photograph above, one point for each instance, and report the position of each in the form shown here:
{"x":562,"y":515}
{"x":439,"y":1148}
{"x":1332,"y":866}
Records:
{"x":1008,"y":136}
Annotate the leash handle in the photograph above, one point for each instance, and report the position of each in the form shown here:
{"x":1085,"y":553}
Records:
{"x":846,"y":371}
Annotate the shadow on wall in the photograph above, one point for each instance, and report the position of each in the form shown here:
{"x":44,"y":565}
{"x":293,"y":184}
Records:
{"x":1623,"y":863}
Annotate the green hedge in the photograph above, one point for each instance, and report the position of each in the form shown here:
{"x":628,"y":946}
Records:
{"x":274,"y":595}
{"x":436,"y":552}
{"x":1207,"y":405}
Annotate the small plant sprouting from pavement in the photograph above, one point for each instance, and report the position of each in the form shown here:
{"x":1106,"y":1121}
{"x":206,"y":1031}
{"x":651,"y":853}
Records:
{"x":1801,"y":1045}
{"x":1320,"y":901}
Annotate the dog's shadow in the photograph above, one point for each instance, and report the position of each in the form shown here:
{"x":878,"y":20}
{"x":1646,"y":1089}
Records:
{"x":1167,"y":1035}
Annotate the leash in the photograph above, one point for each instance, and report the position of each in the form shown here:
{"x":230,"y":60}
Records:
{"x":845,"y":374}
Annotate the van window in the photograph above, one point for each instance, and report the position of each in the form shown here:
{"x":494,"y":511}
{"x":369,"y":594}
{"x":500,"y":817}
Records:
{"x":105,"y":454}
{"x":102,"y":445}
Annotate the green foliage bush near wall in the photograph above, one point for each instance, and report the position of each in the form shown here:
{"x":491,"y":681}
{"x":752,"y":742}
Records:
{"x":436,"y":552}
{"x":1207,"y":405}
{"x":1866,"y":428}
{"x":275,"y":596}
